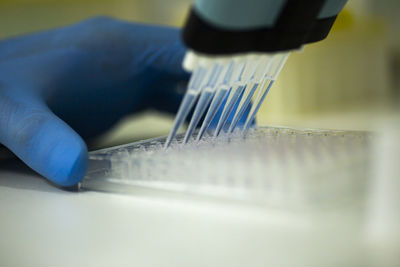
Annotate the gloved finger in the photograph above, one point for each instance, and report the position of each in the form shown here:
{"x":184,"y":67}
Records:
{"x":40,"y":139}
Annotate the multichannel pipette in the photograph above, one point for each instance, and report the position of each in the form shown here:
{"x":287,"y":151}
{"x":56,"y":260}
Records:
{"x":236,"y":50}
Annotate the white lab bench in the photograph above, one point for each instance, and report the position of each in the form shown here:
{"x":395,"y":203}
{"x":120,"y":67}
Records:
{"x":45,"y":226}
{"x":42,"y":225}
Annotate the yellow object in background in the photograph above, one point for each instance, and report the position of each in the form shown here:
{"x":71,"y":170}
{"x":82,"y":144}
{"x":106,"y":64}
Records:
{"x":349,"y":70}
{"x":344,"y":21}
{"x":25,"y":16}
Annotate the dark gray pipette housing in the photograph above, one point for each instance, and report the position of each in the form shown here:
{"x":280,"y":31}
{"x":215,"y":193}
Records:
{"x":241,"y":26}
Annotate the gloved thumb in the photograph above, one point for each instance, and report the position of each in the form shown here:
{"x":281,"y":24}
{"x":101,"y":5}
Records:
{"x":40,"y":139}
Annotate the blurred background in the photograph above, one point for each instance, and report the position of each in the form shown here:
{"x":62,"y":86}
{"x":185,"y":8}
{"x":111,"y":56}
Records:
{"x":348,"y":81}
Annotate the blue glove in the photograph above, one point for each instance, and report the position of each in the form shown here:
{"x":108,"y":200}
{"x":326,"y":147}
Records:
{"x":60,"y":86}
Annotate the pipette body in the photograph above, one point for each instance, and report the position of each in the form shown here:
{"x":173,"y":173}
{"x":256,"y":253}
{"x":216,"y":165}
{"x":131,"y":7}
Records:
{"x":236,"y":50}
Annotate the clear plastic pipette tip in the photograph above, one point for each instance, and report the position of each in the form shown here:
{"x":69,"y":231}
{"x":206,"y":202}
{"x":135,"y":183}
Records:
{"x":263,"y":92}
{"x":242,"y":108}
{"x":217,"y":100}
{"x":186,"y":105}
{"x":252,"y":85}
{"x":233,"y":96}
{"x":212,"y":111}
{"x":202,"y":104}
{"x":256,"y":105}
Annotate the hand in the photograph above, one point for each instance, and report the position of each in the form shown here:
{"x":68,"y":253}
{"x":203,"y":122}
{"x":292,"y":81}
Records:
{"x":60,"y":86}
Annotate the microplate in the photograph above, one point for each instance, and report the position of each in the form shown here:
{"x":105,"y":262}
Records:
{"x":277,"y":166}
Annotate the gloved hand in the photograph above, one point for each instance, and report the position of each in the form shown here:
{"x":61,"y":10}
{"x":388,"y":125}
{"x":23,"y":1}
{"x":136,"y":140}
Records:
{"x":61,"y":85}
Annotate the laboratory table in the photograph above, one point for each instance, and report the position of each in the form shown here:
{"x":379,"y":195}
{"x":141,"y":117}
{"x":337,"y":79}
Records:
{"x":42,"y":225}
